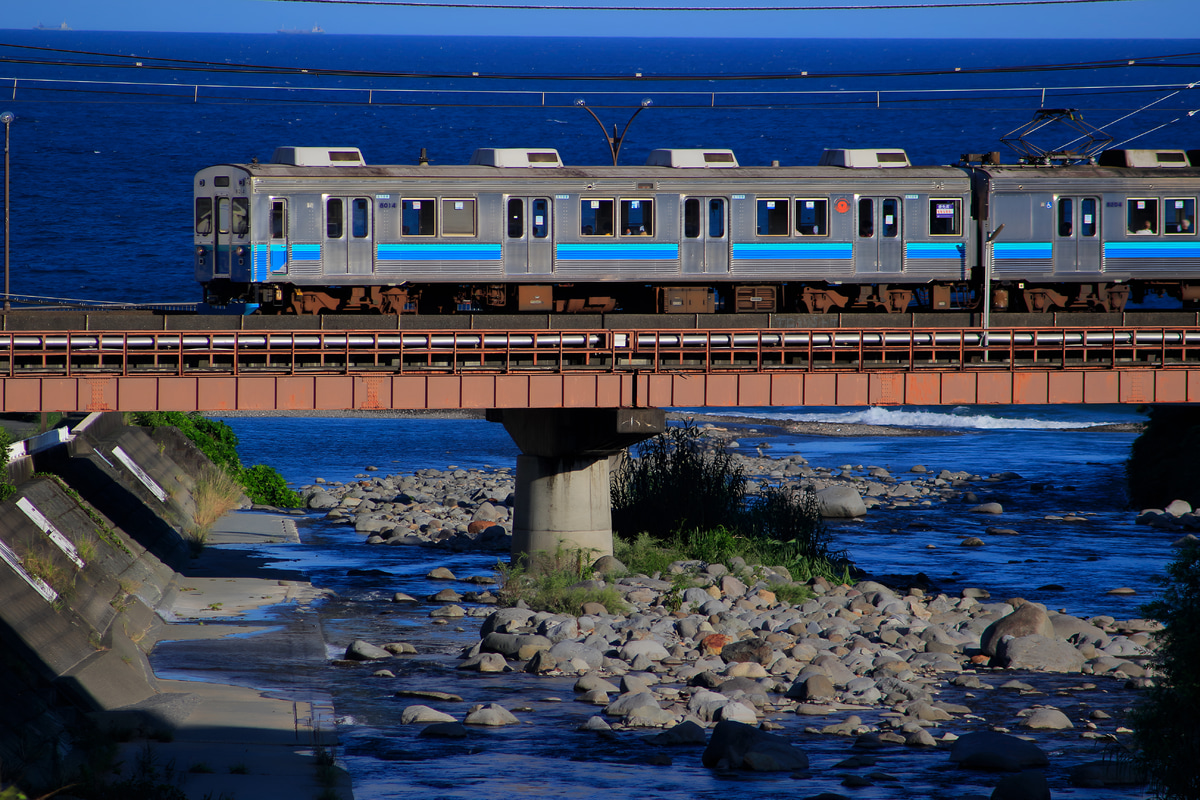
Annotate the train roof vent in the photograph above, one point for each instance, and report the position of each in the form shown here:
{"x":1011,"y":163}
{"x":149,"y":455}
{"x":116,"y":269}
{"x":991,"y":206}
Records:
{"x":865,"y":159}
{"x":318,"y":156}
{"x":516,"y":157}
{"x":692,"y":159}
{"x":1144,"y":158}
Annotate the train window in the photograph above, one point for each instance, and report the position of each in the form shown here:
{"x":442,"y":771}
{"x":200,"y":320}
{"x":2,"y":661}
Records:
{"x":1142,"y":216}
{"x":866,"y":217}
{"x":241,"y":216}
{"x":279,"y":219}
{"x":1088,"y":217}
{"x":1180,"y":216}
{"x":333,"y":218}
{"x":772,"y":217}
{"x":458,"y":217}
{"x":418,"y":218}
{"x":716,"y":218}
{"x":637,"y":217}
{"x":222,"y":215}
{"x":945,"y":217}
{"x":204,"y":216}
{"x":596,"y":217}
{"x":360,"y":218}
{"x":891,"y":217}
{"x":221,"y":180}
{"x":812,"y":217}
{"x":516,"y":218}
{"x":691,"y":218}
{"x":541,"y":219}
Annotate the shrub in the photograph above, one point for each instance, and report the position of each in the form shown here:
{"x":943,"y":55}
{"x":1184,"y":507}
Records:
{"x":265,"y":485}
{"x":554,"y":585}
{"x":7,"y":489}
{"x":693,"y":500}
{"x":1165,"y":723}
{"x":1162,"y":462}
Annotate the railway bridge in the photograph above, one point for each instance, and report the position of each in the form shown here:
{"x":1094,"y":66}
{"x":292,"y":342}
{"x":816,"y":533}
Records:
{"x":573,"y":396}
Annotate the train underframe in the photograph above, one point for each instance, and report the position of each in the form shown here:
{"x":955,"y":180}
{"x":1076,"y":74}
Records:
{"x":597,"y":298}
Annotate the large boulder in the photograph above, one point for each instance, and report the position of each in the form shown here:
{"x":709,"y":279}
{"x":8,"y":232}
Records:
{"x":736,"y":745}
{"x":840,"y":502}
{"x":996,"y":752}
{"x":1028,"y":620}
{"x":1028,"y":785}
{"x":1038,"y":653}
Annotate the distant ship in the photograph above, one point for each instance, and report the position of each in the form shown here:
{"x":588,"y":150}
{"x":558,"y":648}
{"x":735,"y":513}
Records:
{"x":63,"y":27}
{"x":315,"y":29}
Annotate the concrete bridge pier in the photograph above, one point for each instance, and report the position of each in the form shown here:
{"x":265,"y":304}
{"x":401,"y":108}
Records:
{"x":562,"y":486}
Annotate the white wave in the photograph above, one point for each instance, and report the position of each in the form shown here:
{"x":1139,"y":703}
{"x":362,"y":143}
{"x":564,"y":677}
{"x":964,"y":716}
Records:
{"x":957,"y":418}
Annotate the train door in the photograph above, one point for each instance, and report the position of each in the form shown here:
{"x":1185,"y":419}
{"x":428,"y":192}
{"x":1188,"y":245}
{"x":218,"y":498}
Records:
{"x":347,"y":247}
{"x":705,"y":243}
{"x":528,"y":244}
{"x":278,"y":248}
{"x":1077,"y":234}
{"x":233,"y":231}
{"x":878,"y":240}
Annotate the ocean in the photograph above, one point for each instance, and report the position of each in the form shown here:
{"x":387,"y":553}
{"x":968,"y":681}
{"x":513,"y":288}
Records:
{"x":102,"y":157}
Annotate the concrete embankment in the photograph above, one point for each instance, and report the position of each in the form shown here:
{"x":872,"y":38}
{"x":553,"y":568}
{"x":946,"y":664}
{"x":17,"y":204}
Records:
{"x":99,"y":567}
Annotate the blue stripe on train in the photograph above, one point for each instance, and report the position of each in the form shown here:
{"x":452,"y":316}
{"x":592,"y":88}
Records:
{"x":954,"y":250}
{"x":306,"y":252}
{"x":438,"y":252}
{"x":1022,"y":250}
{"x":615,"y":251}
{"x":1152,"y":249}
{"x":802,"y":251}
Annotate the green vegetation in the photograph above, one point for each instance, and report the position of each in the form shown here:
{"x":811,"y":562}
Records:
{"x":262,"y":484}
{"x":7,"y":489}
{"x":558,"y":584}
{"x":1165,"y":724}
{"x":103,"y":530}
{"x":1162,"y":464}
{"x":693,"y":500}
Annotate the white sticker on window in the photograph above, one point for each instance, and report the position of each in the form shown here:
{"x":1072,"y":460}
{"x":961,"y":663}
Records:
{"x":1141,"y":204}
{"x":595,"y":204}
{"x":887,"y":219}
{"x":459,"y":205}
{"x":1087,"y":219}
{"x":537,"y":220}
{"x":770,"y":204}
{"x":809,"y":204}
{"x":1179,"y":204}
{"x":416,"y":203}
{"x":635,"y":203}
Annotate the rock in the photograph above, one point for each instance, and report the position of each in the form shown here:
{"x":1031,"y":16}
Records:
{"x":626,"y":703}
{"x":492,"y":715}
{"x":714,"y":644}
{"x":1047,"y":719}
{"x":987,"y":508}
{"x":444,"y":730}
{"x":401,"y":597}
{"x":519,"y":646}
{"x":1028,"y":785}
{"x":321,"y":500}
{"x":413,"y":715}
{"x":607,"y":565}
{"x":990,"y":750}
{"x":594,"y":609}
{"x":1176,"y":508}
{"x":647,"y":647}
{"x":360,"y":650}
{"x":814,"y":687}
{"x":441,"y":574}
{"x":1038,"y":653}
{"x":486,"y":662}
{"x":591,"y":682}
{"x":400,"y":648}
{"x":754,"y":649}
{"x":736,"y":745}
{"x":971,"y":541}
{"x":686,"y":732}
{"x":840,"y":502}
{"x":1028,"y":620}
{"x":541,"y":662}
{"x":448,"y":612}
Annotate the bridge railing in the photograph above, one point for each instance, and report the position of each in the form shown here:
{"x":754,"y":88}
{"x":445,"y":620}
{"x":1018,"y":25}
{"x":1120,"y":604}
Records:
{"x":513,"y":352}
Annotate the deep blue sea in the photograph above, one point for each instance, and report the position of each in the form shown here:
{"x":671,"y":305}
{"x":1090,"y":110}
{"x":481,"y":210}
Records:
{"x":103,"y":150}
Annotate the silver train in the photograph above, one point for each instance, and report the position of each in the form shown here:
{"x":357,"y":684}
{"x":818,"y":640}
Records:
{"x":318,"y":230}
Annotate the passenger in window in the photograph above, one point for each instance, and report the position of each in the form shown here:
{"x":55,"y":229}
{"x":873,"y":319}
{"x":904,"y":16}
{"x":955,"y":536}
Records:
{"x":1185,"y":225}
{"x":1064,"y":229}
{"x":1147,"y":229}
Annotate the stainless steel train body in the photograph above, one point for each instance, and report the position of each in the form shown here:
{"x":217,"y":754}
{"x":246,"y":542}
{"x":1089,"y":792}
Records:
{"x":318,"y":230}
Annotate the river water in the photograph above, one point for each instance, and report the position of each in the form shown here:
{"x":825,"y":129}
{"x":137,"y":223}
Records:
{"x":1064,"y":469}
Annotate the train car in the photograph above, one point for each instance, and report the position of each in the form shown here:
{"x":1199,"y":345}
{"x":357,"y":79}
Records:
{"x":1086,"y":237}
{"x":318,"y":230}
